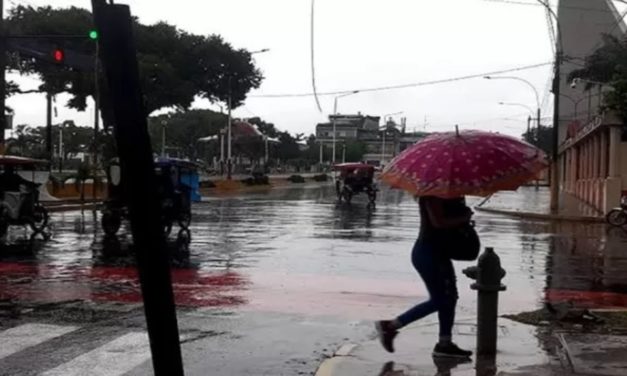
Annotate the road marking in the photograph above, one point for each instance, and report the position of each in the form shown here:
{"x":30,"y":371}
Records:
{"x":113,"y":358}
{"x":21,"y":337}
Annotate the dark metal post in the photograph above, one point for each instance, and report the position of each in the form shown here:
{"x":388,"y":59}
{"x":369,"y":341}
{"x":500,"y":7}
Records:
{"x":488,"y":274}
{"x":119,"y":60}
{"x":49,"y":147}
{"x":556,"y":124}
{"x":96,"y":120}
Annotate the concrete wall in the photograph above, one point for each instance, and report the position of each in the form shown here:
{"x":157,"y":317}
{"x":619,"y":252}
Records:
{"x":582,"y":23}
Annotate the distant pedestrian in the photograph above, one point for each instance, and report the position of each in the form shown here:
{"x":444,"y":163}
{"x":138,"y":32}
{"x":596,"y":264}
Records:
{"x":430,"y":258}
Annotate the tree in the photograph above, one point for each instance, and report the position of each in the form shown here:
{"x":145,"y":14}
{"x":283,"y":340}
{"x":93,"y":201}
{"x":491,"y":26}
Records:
{"x":175,"y":66}
{"x":288,"y":148}
{"x":31,"y":141}
{"x":184,"y":128}
{"x":267,"y":129}
{"x":355,"y":151}
{"x":608,"y":65}
{"x":540,"y":137}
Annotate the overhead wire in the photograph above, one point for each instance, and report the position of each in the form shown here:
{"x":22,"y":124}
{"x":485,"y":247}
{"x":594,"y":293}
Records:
{"x":538,"y":4}
{"x":405,"y":86}
{"x":551,"y":27}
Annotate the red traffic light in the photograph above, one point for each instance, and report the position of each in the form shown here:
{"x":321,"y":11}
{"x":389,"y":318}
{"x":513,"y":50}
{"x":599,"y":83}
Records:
{"x":58,"y":55}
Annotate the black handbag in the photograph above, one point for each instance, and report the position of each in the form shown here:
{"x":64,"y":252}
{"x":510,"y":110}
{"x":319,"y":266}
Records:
{"x":461,"y":243}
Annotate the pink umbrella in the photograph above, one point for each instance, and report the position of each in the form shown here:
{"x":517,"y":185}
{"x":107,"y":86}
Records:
{"x":455,"y":164}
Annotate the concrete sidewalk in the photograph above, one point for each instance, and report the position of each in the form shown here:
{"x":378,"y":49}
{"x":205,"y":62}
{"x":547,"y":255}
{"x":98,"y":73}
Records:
{"x":521,"y":352}
{"x":534,"y":204}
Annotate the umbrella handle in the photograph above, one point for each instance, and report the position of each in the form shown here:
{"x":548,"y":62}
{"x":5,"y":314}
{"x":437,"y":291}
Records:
{"x":484,"y":201}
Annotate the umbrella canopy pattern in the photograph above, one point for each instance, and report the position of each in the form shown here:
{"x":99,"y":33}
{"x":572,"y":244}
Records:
{"x":454,"y":164}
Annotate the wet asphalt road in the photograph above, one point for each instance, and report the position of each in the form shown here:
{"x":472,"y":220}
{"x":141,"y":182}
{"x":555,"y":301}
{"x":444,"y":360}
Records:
{"x":274,"y":282}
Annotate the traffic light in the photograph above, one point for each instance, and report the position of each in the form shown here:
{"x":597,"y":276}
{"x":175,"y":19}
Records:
{"x":93,"y":34}
{"x":58,"y":55}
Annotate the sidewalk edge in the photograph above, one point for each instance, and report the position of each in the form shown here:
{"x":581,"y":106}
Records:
{"x":540,"y":216}
{"x":328,"y":366}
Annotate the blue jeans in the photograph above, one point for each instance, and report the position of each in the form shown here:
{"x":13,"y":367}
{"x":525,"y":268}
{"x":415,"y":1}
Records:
{"x":438,"y":274}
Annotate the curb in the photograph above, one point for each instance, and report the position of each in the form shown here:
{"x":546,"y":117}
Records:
{"x":71,"y":207}
{"x":540,"y":216}
{"x":328,"y":366}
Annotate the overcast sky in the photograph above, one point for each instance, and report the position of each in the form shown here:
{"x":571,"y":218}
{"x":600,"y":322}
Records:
{"x":363,"y":44}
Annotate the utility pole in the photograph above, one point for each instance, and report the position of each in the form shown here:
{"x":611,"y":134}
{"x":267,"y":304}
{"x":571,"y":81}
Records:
{"x":3,"y":84}
{"x":538,"y":117}
{"x":528,"y":126}
{"x":556,"y":118}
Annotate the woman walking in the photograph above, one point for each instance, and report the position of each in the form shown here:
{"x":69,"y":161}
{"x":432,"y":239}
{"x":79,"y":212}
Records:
{"x":440,"y":170}
{"x":429,"y":257}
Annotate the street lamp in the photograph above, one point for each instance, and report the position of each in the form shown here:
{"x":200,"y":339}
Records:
{"x":230,"y":121}
{"x":575,"y":102}
{"x":535,"y":91}
{"x":527,"y":108}
{"x":600,"y":85}
{"x":259,"y":51}
{"x":517,"y":104}
{"x":385,"y":127}
{"x":335,"y":115}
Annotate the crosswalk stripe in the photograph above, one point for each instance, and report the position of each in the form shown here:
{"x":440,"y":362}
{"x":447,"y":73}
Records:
{"x":116,"y":357}
{"x":21,"y":337}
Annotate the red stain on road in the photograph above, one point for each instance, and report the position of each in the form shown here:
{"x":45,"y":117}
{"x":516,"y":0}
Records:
{"x":588,"y":299}
{"x":50,"y":283}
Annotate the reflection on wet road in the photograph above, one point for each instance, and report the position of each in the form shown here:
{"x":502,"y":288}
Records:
{"x":296,"y":251}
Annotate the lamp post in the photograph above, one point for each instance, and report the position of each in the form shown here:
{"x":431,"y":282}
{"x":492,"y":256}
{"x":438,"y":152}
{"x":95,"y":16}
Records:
{"x":334,"y":118}
{"x":163,"y":126}
{"x":61,"y":148}
{"x":574,"y":84}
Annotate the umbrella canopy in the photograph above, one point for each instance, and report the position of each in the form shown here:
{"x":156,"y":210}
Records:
{"x":464,"y":163}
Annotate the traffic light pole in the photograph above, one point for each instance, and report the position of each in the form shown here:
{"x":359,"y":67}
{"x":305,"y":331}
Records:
{"x":49,"y":127}
{"x":96,"y":117}
{"x":121,"y":71}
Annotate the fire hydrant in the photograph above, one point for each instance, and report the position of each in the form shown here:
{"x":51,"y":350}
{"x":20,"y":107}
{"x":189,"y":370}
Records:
{"x":488,"y":274}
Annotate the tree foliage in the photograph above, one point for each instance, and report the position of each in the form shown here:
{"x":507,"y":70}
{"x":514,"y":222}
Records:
{"x":31,"y":141}
{"x":541,"y":137}
{"x":175,"y":66}
{"x":183,"y":129}
{"x":355,"y":151}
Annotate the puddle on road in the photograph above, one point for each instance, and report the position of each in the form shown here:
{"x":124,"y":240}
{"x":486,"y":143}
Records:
{"x":298,"y":246}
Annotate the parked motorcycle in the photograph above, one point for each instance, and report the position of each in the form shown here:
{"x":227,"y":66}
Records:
{"x":618,"y":216}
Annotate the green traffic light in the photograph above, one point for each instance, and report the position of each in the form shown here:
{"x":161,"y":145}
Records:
{"x":93,"y":34}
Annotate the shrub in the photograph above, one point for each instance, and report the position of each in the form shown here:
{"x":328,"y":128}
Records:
{"x":296,"y":179}
{"x":321,"y":177}
{"x":207,"y":184}
{"x":256,"y":180}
